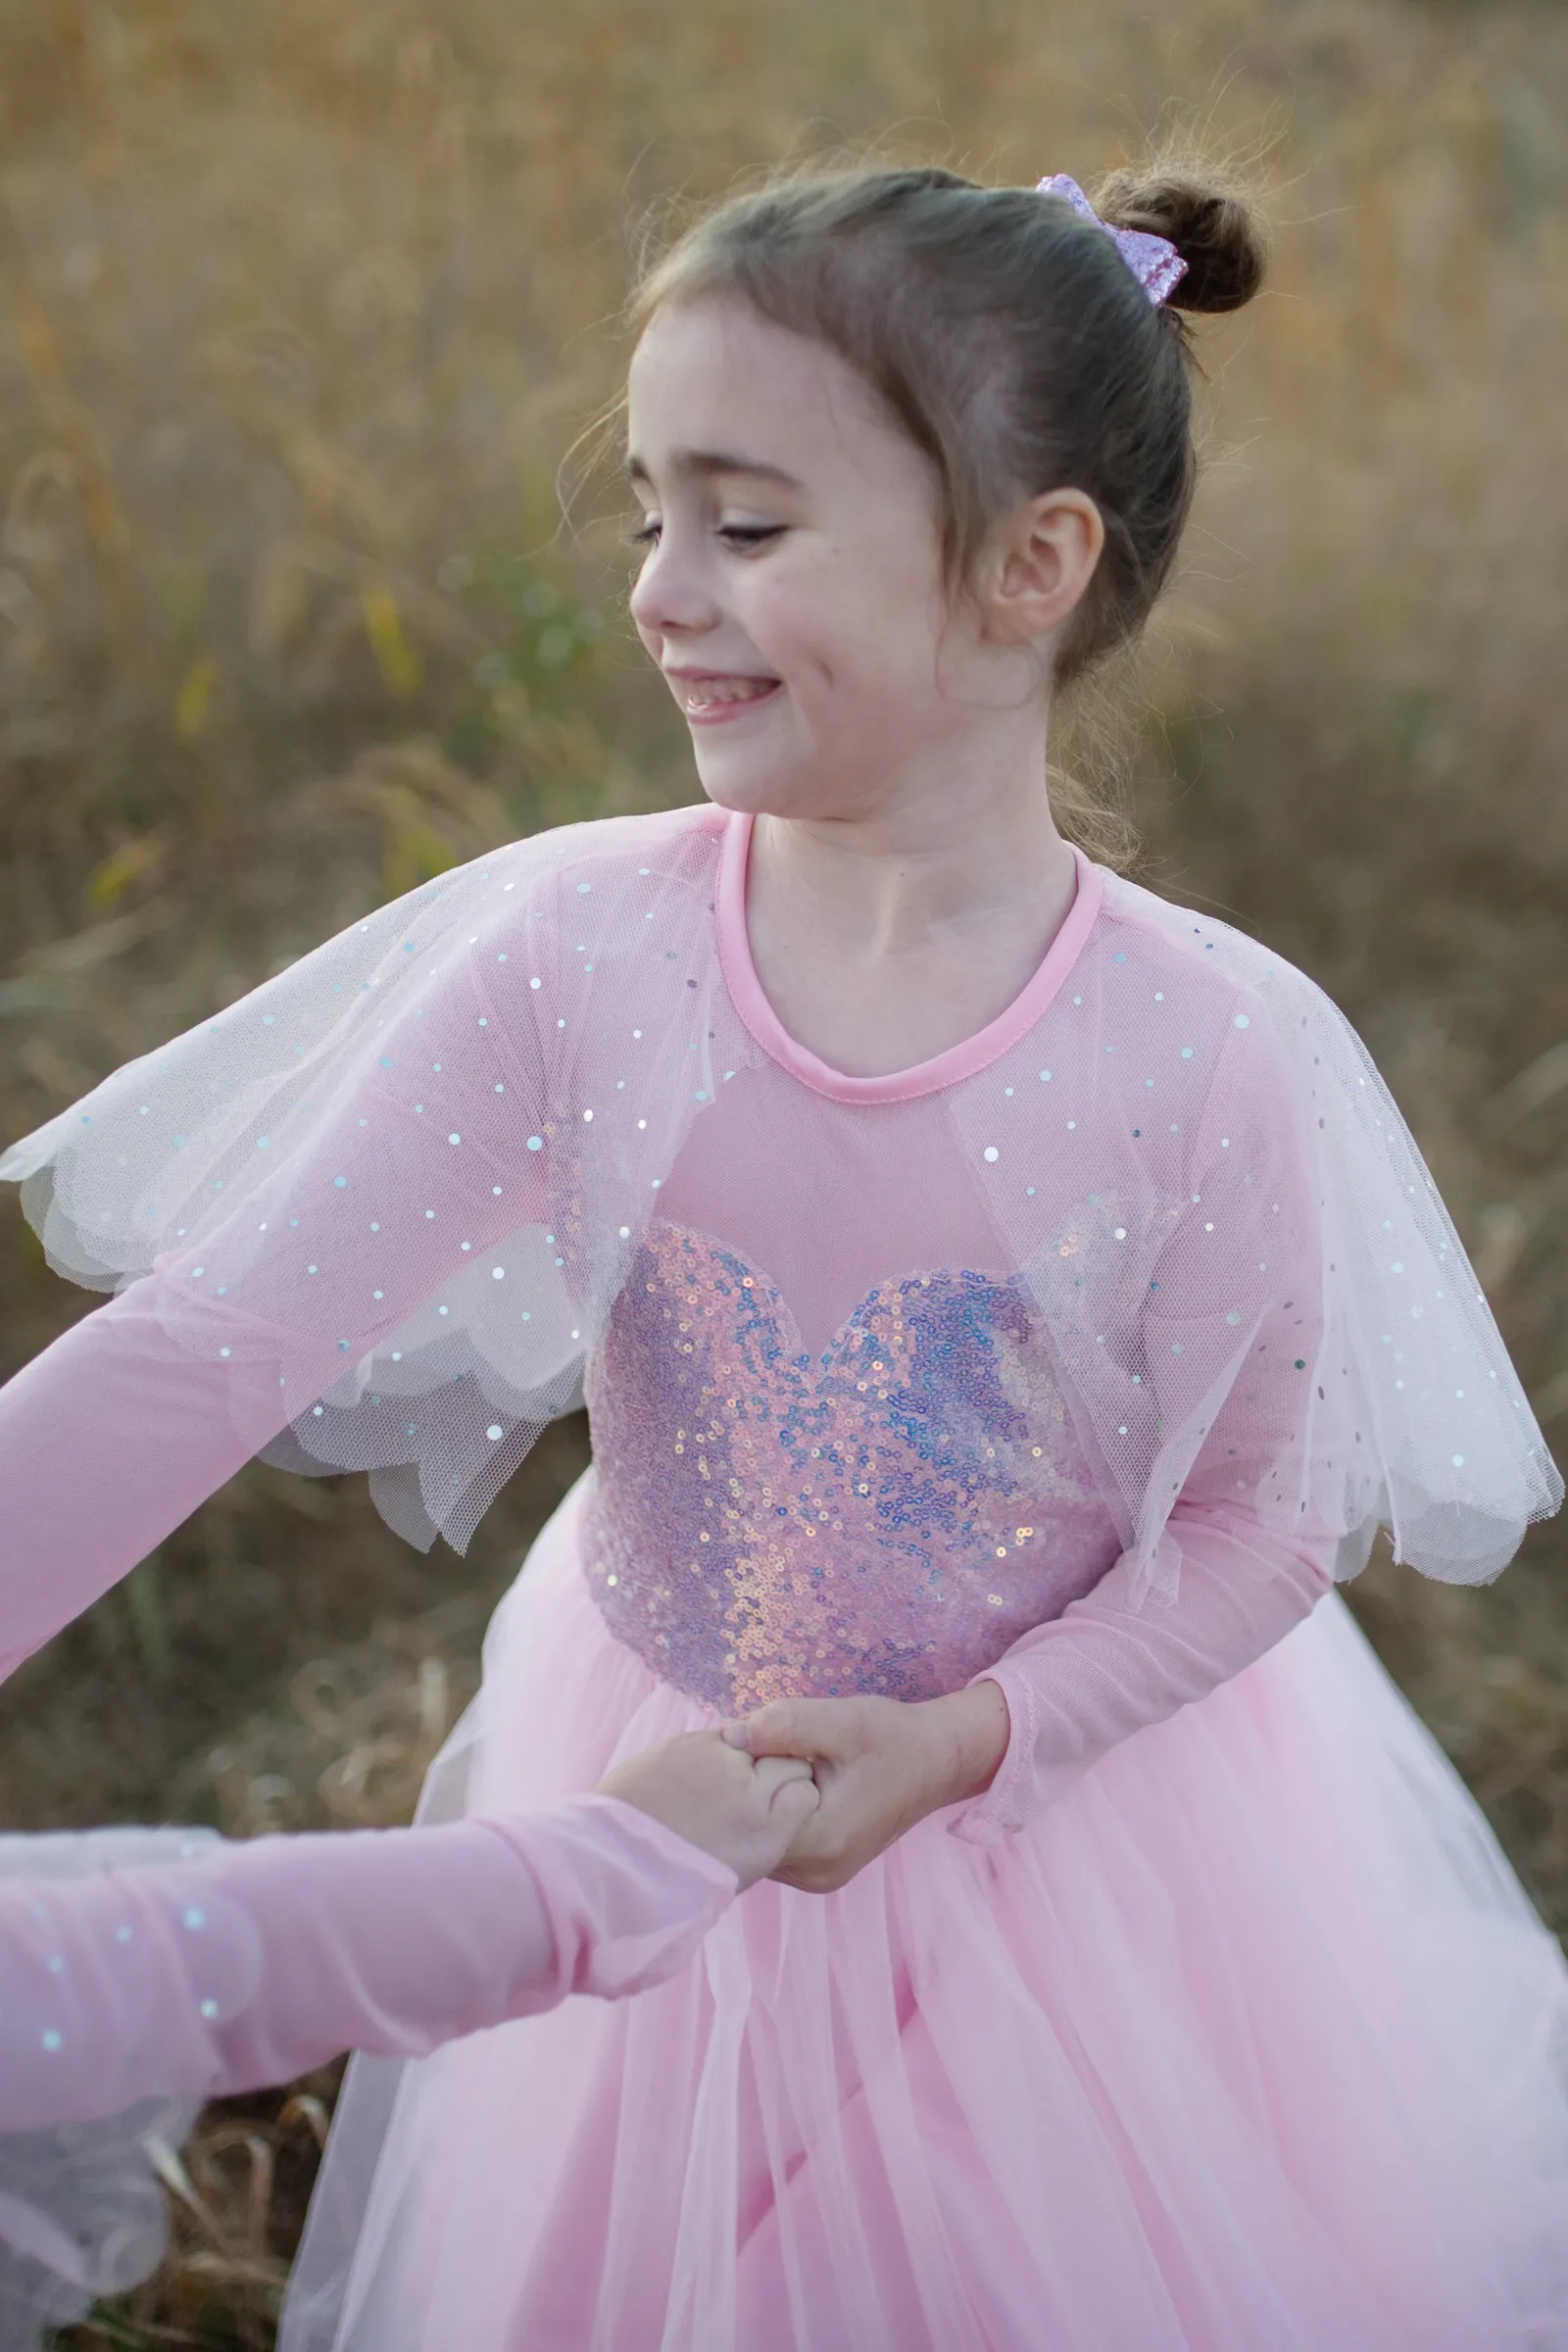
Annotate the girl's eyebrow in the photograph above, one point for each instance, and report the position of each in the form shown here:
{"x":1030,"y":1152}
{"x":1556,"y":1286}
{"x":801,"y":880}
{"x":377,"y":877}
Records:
{"x":706,"y":462}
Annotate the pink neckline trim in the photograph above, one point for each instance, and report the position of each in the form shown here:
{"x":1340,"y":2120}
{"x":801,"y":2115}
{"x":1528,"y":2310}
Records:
{"x":958,"y":1061}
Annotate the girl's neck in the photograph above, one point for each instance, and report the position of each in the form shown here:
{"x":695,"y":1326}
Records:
{"x":883,"y":940}
{"x":891,"y":883}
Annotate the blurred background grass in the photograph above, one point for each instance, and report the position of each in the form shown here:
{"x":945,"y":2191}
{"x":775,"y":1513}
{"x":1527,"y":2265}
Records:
{"x":299,"y":308}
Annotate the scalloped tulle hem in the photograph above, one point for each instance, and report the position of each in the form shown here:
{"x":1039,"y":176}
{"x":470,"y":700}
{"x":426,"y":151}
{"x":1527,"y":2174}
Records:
{"x":1251,"y":2040}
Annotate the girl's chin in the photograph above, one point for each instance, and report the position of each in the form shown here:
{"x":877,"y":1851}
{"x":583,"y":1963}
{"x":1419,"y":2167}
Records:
{"x":725,"y":793}
{"x":752,"y":787}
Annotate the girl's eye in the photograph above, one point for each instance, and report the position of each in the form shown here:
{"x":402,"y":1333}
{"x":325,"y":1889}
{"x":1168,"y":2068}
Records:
{"x":734,"y":535}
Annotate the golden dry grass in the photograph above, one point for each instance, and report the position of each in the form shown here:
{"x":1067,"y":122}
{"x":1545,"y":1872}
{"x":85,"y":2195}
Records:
{"x":299,"y":308}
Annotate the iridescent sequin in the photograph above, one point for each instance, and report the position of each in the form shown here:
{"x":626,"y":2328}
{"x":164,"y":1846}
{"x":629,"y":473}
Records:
{"x":887,"y":1517}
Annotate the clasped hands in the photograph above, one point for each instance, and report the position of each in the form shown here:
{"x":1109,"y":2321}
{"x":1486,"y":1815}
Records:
{"x":879,"y":1766}
{"x":808,"y":1790}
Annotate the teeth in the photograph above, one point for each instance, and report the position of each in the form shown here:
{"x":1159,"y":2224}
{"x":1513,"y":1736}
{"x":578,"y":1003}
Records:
{"x":726,"y":690}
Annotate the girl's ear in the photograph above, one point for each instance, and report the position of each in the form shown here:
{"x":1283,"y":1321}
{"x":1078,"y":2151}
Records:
{"x":1041,"y":559}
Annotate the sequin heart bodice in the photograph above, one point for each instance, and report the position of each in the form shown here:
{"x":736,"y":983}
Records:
{"x":888,"y":1516}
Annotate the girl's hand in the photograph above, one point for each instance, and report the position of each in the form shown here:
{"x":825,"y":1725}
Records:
{"x":745,"y":1814}
{"x":881,"y":1764}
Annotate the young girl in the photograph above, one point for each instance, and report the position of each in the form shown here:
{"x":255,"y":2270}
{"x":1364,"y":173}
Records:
{"x":142,"y":1971}
{"x":1005,"y":1305}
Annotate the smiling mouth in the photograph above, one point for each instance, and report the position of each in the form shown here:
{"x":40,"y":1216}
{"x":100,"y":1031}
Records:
{"x":700,"y":696}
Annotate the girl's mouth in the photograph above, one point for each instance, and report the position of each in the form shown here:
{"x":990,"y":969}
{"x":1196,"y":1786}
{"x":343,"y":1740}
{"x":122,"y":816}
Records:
{"x":711,"y":702}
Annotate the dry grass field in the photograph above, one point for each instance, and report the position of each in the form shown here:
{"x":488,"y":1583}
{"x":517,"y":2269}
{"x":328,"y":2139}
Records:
{"x":299,"y":309}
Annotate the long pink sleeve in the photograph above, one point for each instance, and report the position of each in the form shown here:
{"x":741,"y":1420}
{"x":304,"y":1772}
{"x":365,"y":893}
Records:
{"x":1255,"y":1530}
{"x":115,"y":1433}
{"x":1104,"y":1668}
{"x":255,"y":1963}
{"x":108,"y":1440}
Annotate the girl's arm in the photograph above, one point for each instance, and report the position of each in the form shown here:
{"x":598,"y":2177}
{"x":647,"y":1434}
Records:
{"x":115,"y":1433}
{"x":1231,"y":1347}
{"x":108,"y":1440}
{"x":255,"y":1963}
{"x":1108,"y":1665}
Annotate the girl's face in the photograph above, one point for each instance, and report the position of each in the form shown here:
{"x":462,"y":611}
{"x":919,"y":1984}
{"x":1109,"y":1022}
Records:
{"x":792,"y":593}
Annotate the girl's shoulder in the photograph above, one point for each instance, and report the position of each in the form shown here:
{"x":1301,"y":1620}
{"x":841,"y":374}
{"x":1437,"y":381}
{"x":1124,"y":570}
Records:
{"x":657,"y":846}
{"x":1199,"y":963}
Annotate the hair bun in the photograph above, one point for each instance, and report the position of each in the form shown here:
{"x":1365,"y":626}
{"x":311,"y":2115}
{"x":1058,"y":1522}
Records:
{"x":1218,"y":233}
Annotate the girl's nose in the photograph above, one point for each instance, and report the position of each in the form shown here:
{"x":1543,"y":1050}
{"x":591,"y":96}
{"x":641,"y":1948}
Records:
{"x":669,"y":597}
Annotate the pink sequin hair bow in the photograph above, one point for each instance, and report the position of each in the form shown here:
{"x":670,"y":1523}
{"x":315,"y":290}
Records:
{"x":1153,"y":261}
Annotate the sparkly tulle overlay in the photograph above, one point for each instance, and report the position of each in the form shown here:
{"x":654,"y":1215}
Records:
{"x":1087,"y":1355}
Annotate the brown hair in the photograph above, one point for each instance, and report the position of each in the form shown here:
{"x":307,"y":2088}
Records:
{"x":1006,"y":334}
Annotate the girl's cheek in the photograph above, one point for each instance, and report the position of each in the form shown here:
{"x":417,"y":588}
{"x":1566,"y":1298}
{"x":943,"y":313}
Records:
{"x":794,"y":617}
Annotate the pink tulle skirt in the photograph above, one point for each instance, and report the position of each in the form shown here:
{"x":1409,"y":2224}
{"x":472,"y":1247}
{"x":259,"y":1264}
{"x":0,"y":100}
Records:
{"x":1252,"y":2043}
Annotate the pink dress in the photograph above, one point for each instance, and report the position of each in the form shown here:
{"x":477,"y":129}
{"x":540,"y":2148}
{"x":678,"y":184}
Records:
{"x":1086,"y":1357}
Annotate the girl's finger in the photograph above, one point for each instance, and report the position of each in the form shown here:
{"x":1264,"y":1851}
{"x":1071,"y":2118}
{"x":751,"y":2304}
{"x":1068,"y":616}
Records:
{"x":776,"y":1772}
{"x":786,"y":1727}
{"x":794,"y":1804}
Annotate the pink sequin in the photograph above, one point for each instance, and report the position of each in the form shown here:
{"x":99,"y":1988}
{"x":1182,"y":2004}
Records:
{"x":887,"y":1517}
